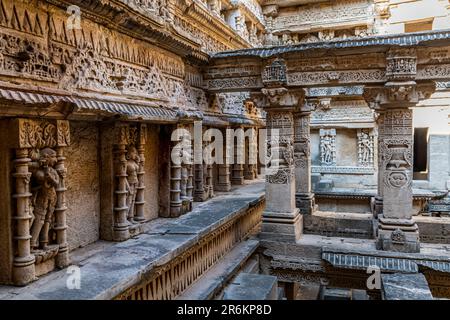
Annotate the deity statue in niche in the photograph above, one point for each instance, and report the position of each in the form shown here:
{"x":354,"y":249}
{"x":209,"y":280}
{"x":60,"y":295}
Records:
{"x":45,"y":180}
{"x":366,"y":148}
{"x":133,"y":161}
{"x":327,"y":150}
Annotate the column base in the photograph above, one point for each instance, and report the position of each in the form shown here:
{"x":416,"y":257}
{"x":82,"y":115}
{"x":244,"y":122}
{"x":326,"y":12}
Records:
{"x":237,"y":181}
{"x":225,"y":187}
{"x":200,"y":197}
{"x":121,"y":233}
{"x":305,"y":202}
{"x":23,"y":271}
{"x":62,"y":258}
{"x":176,"y":210}
{"x":399,"y":235}
{"x":282,"y":227}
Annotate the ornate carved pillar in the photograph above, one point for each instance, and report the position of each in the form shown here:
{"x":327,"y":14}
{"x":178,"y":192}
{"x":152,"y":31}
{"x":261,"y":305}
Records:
{"x":40,"y":198}
{"x":224,"y":182}
{"x":175,"y":182}
{"x":237,"y":175}
{"x":199,"y":190}
{"x":281,"y":219}
{"x":397,"y":231}
{"x":302,"y":159}
{"x":121,"y":224}
{"x":23,"y":263}
{"x":60,"y":226}
{"x":251,"y":149}
{"x":140,"y":193}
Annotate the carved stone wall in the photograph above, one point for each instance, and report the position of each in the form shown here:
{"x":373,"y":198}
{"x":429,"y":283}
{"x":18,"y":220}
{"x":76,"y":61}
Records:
{"x":83,"y":214}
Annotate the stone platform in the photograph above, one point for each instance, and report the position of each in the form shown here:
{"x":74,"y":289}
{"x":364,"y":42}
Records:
{"x":344,"y":262}
{"x":108,"y":269}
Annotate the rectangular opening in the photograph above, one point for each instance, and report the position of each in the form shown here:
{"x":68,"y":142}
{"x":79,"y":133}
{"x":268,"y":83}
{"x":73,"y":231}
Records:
{"x":420,"y":153}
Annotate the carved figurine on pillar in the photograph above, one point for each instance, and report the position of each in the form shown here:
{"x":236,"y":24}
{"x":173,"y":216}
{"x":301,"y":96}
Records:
{"x":40,"y":222}
{"x":45,"y":180}
{"x":133,"y":161}
{"x":397,"y":231}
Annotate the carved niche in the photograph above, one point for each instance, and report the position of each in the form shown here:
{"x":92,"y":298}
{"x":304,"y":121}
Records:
{"x":328,"y":147}
{"x":39,"y":222}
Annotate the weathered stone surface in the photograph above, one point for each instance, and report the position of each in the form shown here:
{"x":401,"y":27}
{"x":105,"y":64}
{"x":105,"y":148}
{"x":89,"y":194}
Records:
{"x":248,"y":286}
{"x":211,"y":283}
{"x":405,"y":287}
{"x":120,"y":266}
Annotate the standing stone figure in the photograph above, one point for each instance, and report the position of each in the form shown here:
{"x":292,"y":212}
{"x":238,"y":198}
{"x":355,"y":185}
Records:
{"x":132,"y":180}
{"x":44,"y":199}
{"x":327,"y":150}
{"x":366,"y":148}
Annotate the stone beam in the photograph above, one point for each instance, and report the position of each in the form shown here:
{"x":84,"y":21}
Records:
{"x":331,"y":64}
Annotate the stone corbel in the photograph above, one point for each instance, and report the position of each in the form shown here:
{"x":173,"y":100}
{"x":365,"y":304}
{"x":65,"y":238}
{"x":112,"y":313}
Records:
{"x":270,"y":10}
{"x":398,"y":94}
{"x":281,"y":97}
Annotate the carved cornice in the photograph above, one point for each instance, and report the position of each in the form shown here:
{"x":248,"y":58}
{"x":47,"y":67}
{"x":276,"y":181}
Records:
{"x":118,"y":16}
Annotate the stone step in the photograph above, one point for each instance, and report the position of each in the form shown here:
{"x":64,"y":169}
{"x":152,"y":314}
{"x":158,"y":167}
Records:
{"x":214,"y":280}
{"x":247,"y":286}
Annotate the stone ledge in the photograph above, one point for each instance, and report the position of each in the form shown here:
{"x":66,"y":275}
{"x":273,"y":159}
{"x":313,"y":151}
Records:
{"x":120,"y":266}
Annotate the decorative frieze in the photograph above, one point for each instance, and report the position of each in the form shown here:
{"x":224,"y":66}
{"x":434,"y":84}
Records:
{"x":330,"y":77}
{"x":356,"y":11}
{"x":342,"y":170}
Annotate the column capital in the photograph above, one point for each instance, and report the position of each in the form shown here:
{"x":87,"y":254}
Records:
{"x":274,"y":98}
{"x":398,"y":94}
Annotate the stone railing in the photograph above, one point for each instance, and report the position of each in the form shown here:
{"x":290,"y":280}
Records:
{"x":167,"y":281}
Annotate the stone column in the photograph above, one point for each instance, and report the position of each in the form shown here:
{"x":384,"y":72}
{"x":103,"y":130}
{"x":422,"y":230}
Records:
{"x":190,"y":185}
{"x":62,"y":259}
{"x":175,"y":189}
{"x":140,"y":190}
{"x":251,"y":147}
{"x":224,"y":182}
{"x":199,"y":191}
{"x":397,"y":231}
{"x":302,"y":155}
{"x":378,"y":205}
{"x":237,"y":175}
{"x":121,"y":225}
{"x":23,"y":263}
{"x":281,"y":219}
